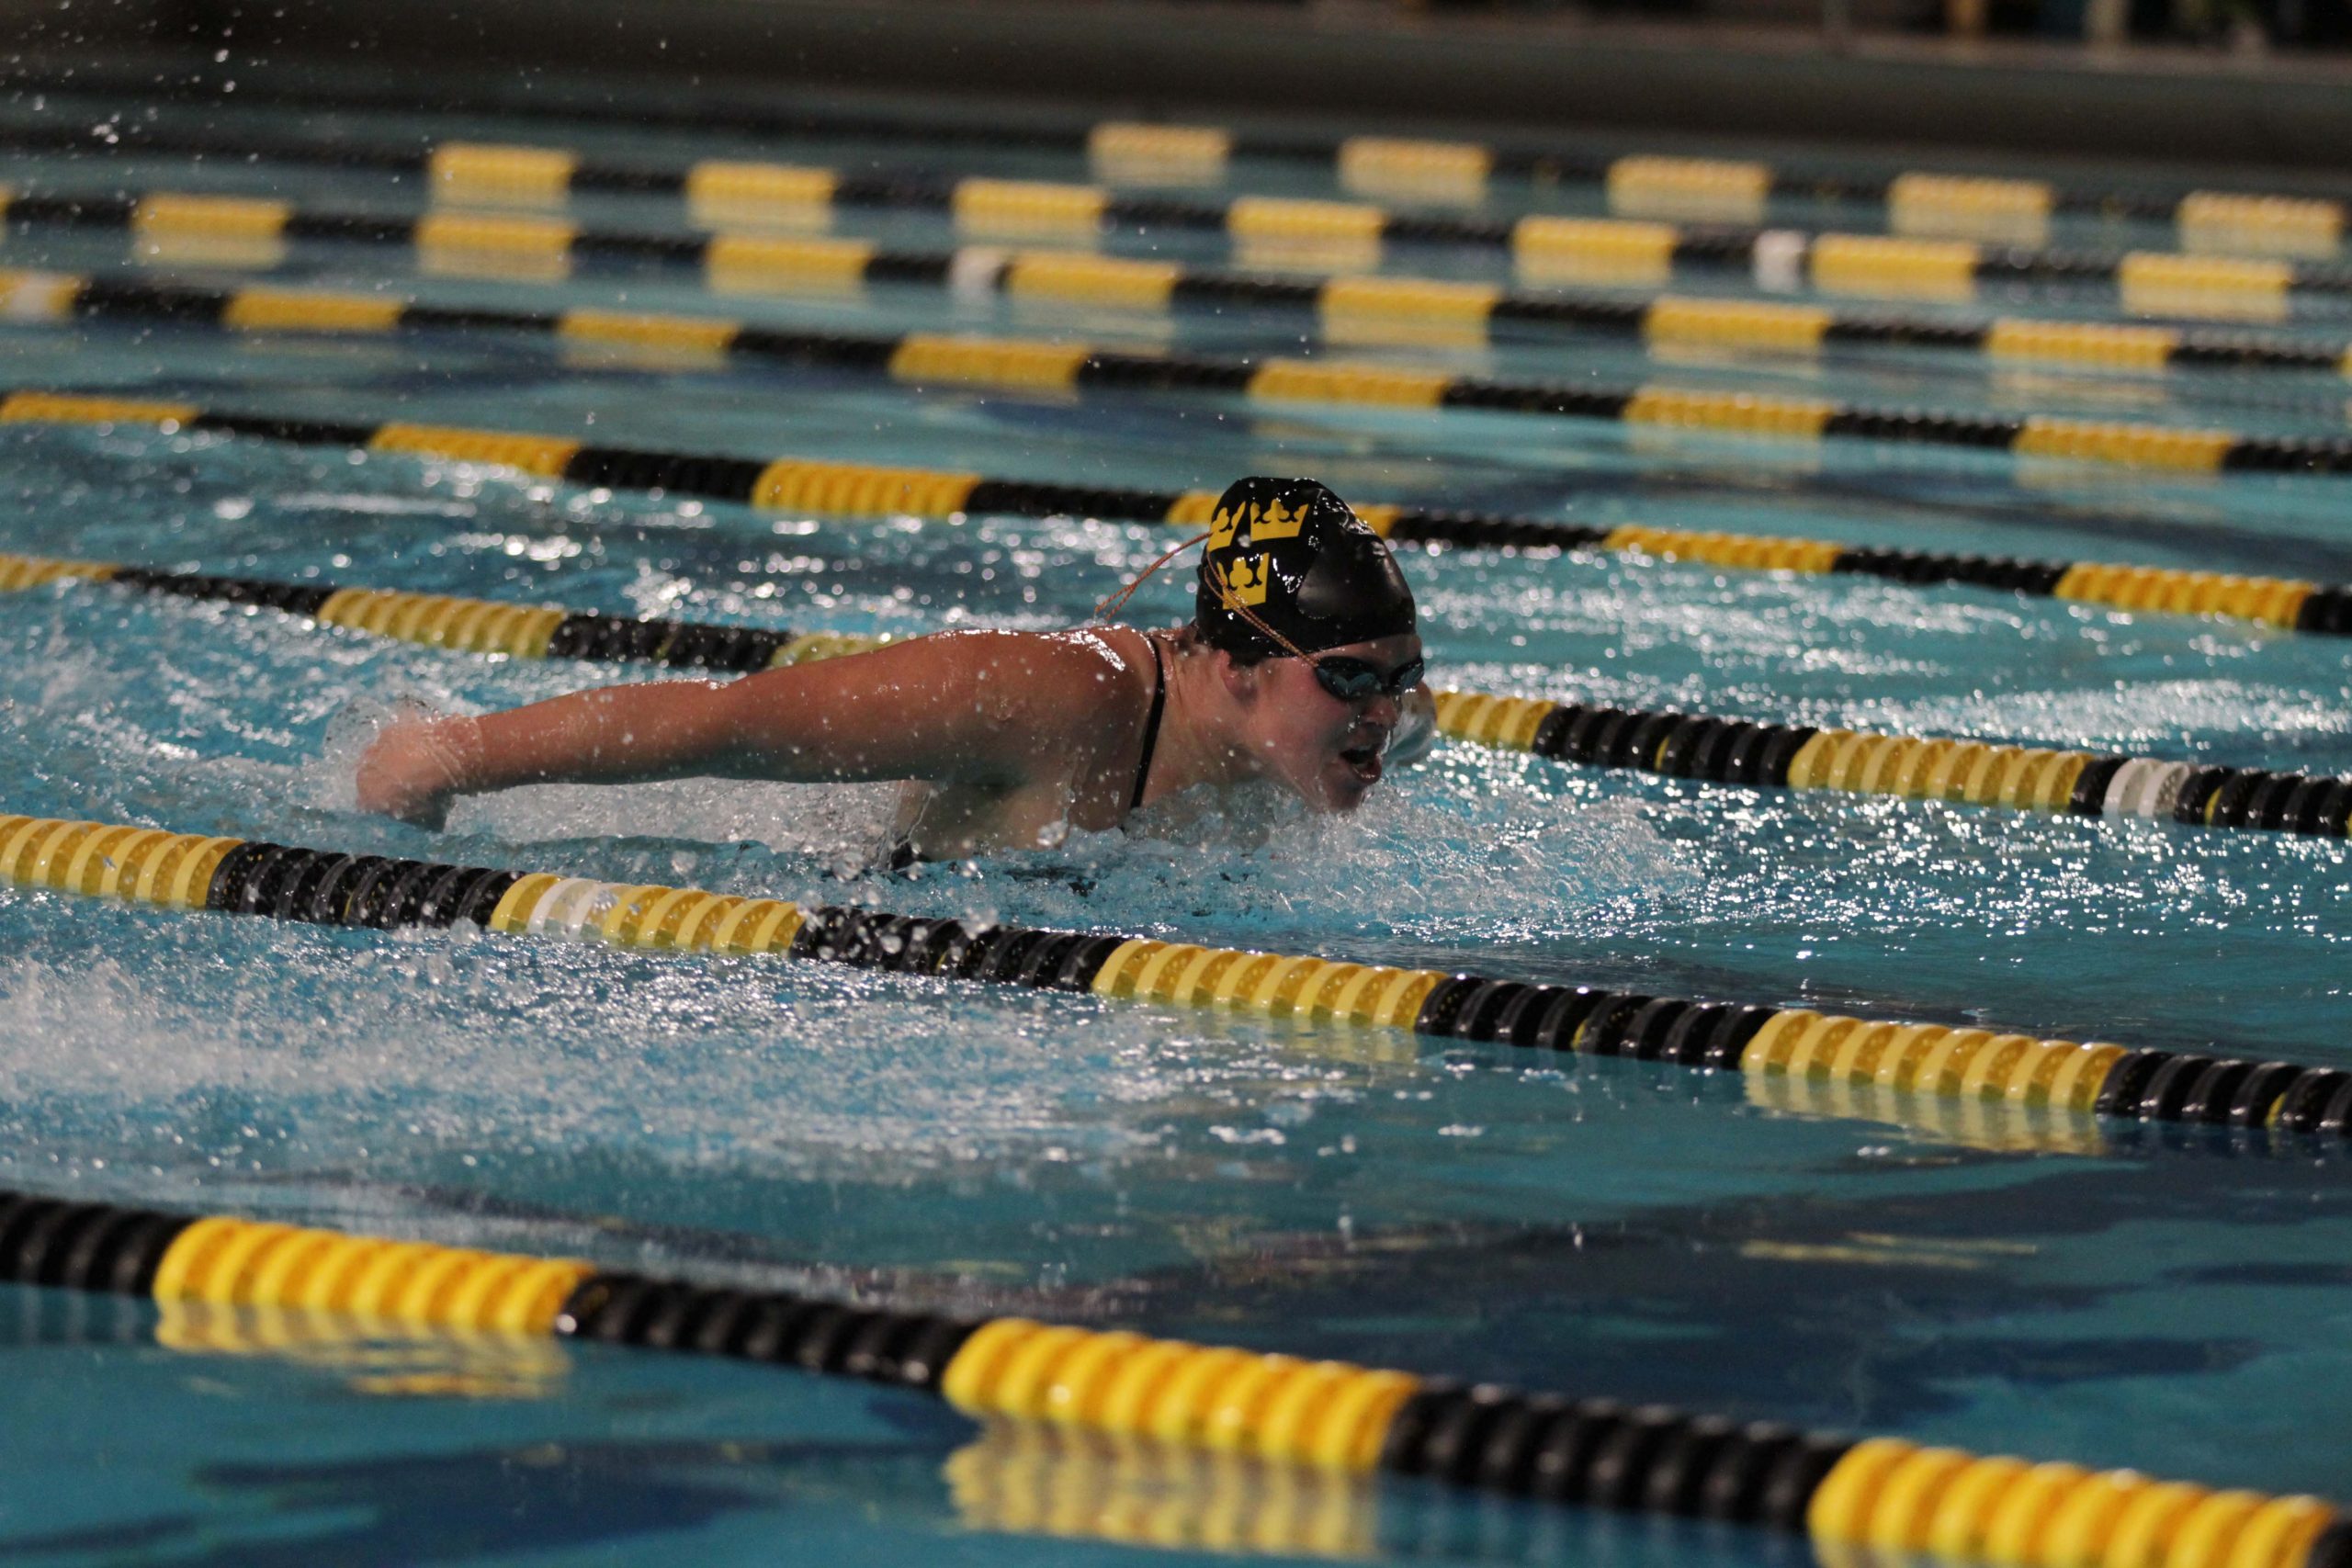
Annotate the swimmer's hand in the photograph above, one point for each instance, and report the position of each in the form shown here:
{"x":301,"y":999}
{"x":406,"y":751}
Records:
{"x":1416,"y":729}
{"x":412,"y":772}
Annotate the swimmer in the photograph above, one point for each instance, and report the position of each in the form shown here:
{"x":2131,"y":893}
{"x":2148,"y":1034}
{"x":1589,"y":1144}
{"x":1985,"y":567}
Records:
{"x":1301,"y":666}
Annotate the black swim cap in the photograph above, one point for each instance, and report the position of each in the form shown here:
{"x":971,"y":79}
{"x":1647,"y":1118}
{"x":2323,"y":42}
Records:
{"x":1304,"y":563}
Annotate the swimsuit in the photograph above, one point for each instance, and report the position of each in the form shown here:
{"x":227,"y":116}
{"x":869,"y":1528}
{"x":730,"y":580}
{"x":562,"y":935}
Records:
{"x":903,"y":853}
{"x":1151,"y":723}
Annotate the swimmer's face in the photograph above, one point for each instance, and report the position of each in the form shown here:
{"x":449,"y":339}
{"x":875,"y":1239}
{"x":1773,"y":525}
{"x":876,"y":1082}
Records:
{"x":1327,"y":749}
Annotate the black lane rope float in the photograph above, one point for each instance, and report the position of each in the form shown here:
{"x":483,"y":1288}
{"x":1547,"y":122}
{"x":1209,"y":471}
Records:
{"x":931,"y":360}
{"x":1921,"y":202}
{"x":1543,"y":248}
{"x":1329,"y":1416}
{"x":1699,"y":747}
{"x":2032,"y":1076}
{"x":851,"y":490}
{"x":1353,"y":308}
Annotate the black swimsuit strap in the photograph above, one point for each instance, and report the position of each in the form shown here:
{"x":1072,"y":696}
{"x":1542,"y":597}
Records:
{"x":1151,"y":723}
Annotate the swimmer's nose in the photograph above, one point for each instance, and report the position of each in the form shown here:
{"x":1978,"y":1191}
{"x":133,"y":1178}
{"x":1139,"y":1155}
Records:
{"x":1384,"y":710}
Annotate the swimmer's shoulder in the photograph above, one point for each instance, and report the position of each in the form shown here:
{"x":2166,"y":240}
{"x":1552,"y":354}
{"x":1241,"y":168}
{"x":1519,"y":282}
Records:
{"x":1065,"y":681}
{"x":1097,"y":654}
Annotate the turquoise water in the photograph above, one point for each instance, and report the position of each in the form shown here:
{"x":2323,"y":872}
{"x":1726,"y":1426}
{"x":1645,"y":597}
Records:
{"x":2174,"y":1303}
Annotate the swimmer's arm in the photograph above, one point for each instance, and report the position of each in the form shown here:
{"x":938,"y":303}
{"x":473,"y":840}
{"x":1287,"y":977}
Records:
{"x":1416,"y":729}
{"x":969,"y":709}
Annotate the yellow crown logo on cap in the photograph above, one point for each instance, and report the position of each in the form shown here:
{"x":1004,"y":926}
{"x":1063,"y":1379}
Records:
{"x":1266,"y":524}
{"x":1223,"y":525}
{"x":1277,"y":524}
{"x":1245,"y":582}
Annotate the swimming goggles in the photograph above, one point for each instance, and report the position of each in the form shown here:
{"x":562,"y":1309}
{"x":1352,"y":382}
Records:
{"x":1356,"y":680}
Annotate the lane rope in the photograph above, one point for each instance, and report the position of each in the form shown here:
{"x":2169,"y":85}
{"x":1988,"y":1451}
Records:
{"x":1928,"y":203}
{"x":1645,"y":240}
{"x":1975,"y":772}
{"x":1331,"y":1416}
{"x":464,"y":624}
{"x":933,"y":361}
{"x":1699,"y":747}
{"x":192,"y":872}
{"x":853,"y":489}
{"x":1353,"y":308}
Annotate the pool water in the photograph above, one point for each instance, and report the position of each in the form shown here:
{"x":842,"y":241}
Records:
{"x":2174,"y":1302}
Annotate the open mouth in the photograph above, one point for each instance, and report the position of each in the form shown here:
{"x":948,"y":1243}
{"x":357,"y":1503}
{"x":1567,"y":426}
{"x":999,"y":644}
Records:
{"x":1365,"y":761}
